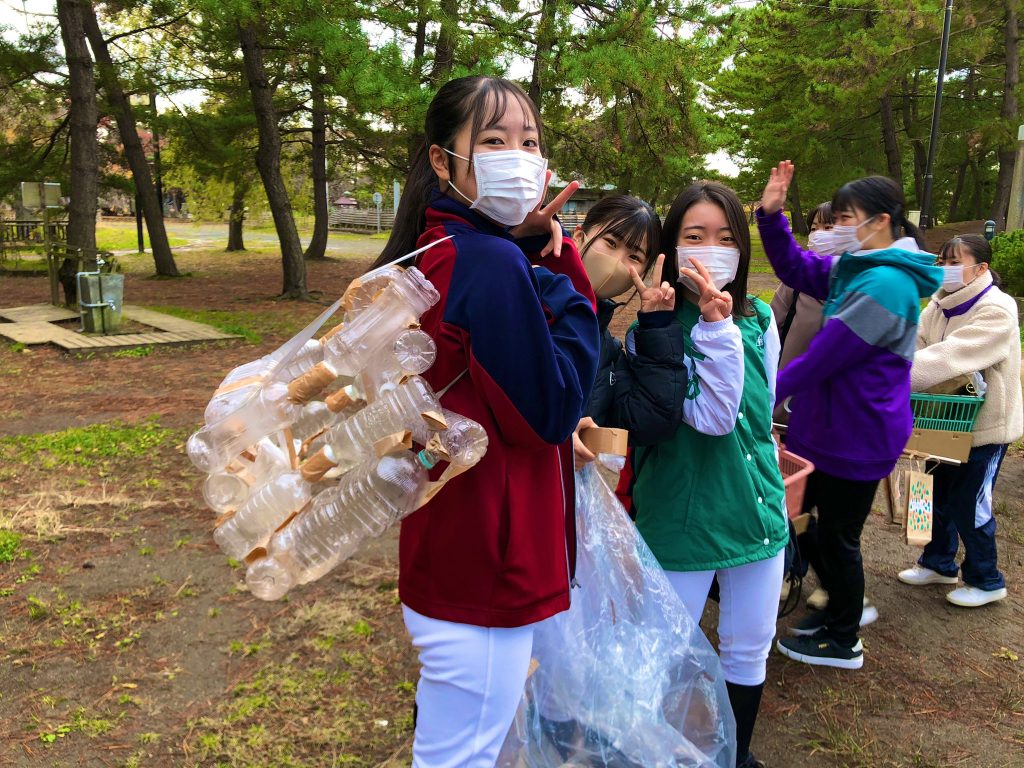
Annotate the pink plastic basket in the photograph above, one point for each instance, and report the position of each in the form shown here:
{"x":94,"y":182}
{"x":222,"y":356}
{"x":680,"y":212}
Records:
{"x":795,"y":470}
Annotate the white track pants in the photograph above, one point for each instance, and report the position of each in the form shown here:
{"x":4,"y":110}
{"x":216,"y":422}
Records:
{"x":471,"y":681}
{"x":747,"y":613}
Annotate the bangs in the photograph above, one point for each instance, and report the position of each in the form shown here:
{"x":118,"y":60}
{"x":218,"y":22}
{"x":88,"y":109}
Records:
{"x":639,"y":231}
{"x":489,"y":103}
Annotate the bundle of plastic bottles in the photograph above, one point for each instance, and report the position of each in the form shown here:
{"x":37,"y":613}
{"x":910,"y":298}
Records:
{"x":328,"y":441}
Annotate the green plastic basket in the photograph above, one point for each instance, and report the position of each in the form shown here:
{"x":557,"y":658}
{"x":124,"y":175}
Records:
{"x":950,"y":413}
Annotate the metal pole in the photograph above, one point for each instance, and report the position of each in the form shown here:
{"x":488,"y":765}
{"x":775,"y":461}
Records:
{"x":1015,"y":216}
{"x":138,"y":222}
{"x":926,"y":202}
{"x":156,"y":157}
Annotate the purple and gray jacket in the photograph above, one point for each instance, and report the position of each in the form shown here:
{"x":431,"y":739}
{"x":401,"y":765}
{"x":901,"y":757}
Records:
{"x":851,"y":389}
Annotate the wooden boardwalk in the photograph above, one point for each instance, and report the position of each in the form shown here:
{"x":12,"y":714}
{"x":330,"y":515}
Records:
{"x":35,"y":325}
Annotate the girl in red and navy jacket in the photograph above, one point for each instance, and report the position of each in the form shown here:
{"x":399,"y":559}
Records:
{"x":517,"y":339}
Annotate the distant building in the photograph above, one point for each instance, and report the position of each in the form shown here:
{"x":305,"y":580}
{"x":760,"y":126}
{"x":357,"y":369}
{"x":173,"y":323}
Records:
{"x":346,"y":202}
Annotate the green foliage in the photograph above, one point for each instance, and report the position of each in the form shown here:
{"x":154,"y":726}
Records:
{"x":1008,"y":260}
{"x":88,"y":446}
{"x":10,"y":547}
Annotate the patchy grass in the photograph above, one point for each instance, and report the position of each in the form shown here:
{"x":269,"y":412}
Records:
{"x":95,"y":445}
{"x":119,"y":236}
{"x":144,"y":351}
{"x":251,"y":326}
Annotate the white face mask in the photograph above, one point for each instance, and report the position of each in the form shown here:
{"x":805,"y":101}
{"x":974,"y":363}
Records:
{"x":845,"y":238}
{"x":509,"y":184}
{"x":608,"y":275}
{"x":721,"y":262}
{"x":953,"y":277}
{"x":822,"y":241}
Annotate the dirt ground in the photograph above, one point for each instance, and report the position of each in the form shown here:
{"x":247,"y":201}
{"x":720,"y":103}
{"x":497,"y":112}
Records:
{"x":127,"y":639}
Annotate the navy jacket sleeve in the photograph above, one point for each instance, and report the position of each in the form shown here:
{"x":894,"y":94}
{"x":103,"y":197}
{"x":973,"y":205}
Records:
{"x":649,"y":387}
{"x":533,"y":340}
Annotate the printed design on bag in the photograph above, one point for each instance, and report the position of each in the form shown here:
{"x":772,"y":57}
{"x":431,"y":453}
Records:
{"x":919,"y":507}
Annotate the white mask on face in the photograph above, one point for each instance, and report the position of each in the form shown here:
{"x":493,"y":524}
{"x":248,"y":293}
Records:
{"x":721,"y":262}
{"x":821,"y":241}
{"x":608,"y":276}
{"x":509,"y":184}
{"x":845,"y":238}
{"x":953,"y":277}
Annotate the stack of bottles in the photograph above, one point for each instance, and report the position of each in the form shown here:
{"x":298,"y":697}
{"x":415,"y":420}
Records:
{"x":325,"y":442}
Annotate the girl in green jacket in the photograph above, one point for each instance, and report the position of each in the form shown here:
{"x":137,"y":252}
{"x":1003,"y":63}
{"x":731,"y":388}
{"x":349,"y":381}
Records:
{"x":709,"y":500}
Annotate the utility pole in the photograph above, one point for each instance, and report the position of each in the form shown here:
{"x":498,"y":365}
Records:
{"x":933,"y":142}
{"x":1015,"y":216}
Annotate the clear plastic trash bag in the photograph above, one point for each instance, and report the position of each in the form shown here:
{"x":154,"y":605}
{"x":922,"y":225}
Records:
{"x":624,"y":678}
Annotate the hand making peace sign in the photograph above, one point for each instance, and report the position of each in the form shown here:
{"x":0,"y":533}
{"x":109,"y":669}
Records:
{"x":714,"y":305}
{"x":542,"y":218}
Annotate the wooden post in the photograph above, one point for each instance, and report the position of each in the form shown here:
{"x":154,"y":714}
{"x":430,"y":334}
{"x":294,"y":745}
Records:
{"x":51,"y":266}
{"x":1015,"y":215}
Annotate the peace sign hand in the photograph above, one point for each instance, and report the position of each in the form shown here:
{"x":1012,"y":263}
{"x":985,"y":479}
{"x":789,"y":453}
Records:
{"x":774,"y":195}
{"x":542,"y":218}
{"x":714,"y":305}
{"x":658,"y":298}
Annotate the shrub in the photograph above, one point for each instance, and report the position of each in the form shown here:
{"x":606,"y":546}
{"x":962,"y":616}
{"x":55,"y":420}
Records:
{"x":1008,"y":260}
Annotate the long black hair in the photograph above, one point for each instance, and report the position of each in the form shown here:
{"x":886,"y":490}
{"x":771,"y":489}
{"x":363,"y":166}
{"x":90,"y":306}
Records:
{"x":726,"y":199}
{"x":977,"y":246}
{"x":479,"y":99}
{"x":876,"y":195}
{"x":629,"y":220}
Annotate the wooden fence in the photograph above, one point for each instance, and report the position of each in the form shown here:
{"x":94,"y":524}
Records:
{"x":349,"y":220}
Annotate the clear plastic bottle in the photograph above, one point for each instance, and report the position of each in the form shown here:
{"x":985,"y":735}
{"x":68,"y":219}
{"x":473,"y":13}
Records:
{"x":223,"y":404}
{"x":366,"y":501}
{"x":352,"y":441}
{"x":213,"y":447}
{"x":412,"y":353}
{"x":228,"y":490}
{"x":315,"y":417}
{"x":360,"y":297}
{"x":406,"y":297}
{"x":465,"y":441}
{"x":269,"y":506}
{"x":309,"y":354}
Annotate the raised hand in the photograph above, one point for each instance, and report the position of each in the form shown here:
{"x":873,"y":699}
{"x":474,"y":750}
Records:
{"x":774,"y":195}
{"x":714,"y":304}
{"x":542,"y":218}
{"x":658,"y":298}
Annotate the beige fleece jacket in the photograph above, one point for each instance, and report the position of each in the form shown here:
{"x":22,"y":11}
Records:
{"x":986,"y":339}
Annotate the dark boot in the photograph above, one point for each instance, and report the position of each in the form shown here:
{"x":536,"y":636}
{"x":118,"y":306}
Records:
{"x":746,"y":701}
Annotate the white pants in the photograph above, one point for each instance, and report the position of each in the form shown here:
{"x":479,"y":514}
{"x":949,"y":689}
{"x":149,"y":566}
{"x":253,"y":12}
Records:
{"x":471,"y":681}
{"x":747,"y":613}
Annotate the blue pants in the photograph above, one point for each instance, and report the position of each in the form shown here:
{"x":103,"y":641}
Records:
{"x":963,"y":507}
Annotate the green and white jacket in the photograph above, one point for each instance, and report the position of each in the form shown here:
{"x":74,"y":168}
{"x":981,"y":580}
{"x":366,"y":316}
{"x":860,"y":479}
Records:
{"x":711,"y":496}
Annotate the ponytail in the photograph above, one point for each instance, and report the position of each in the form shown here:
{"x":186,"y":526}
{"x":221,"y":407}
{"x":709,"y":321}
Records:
{"x":477,"y":100}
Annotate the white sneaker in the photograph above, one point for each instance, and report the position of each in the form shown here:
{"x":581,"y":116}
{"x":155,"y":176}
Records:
{"x":972,"y":597}
{"x":919,"y":576}
{"x":818,"y":599}
{"x":869,"y":615}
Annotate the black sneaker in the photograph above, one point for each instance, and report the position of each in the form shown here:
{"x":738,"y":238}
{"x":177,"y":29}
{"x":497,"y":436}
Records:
{"x":823,"y":651}
{"x":809,"y":625}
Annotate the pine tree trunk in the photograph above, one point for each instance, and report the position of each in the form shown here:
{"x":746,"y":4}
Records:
{"x":81,"y":232}
{"x":444,"y":50}
{"x":236,"y":220}
{"x":799,"y":222}
{"x":1010,"y":113}
{"x":152,"y":209}
{"x":317,"y":248}
{"x":958,"y":190}
{"x":268,"y":162}
{"x":545,"y":44}
{"x":893,"y":161}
